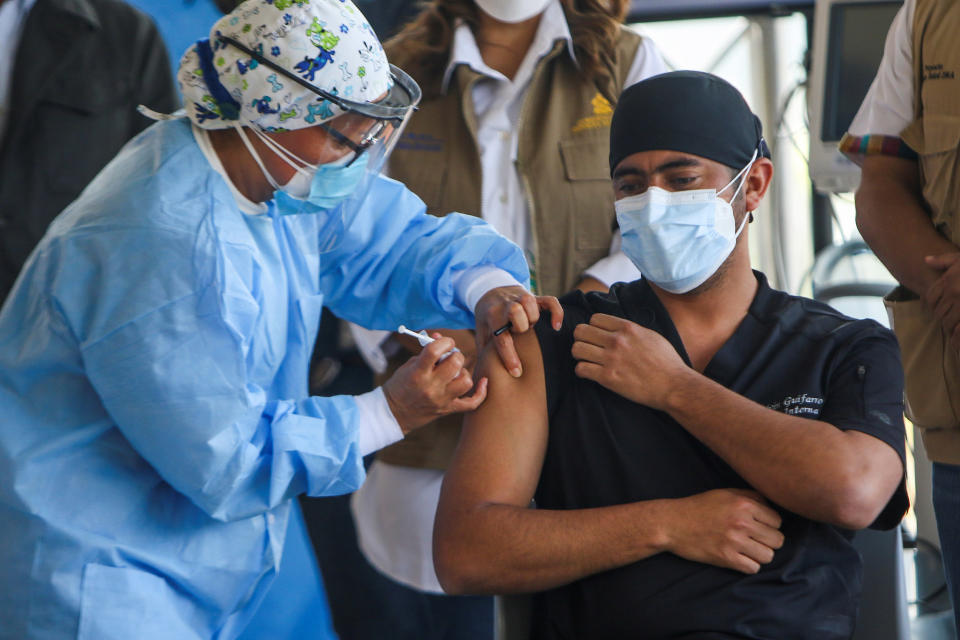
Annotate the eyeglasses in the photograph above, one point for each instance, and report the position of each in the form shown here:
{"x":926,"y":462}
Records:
{"x":379,"y":126}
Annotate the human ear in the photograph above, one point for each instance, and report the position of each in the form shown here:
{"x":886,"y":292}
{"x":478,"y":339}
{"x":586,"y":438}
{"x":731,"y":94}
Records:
{"x":757,"y":182}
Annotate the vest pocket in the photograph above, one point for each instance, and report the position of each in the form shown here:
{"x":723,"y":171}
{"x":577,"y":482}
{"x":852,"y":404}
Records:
{"x":940,"y":169}
{"x":930,"y":365}
{"x":585,"y":166}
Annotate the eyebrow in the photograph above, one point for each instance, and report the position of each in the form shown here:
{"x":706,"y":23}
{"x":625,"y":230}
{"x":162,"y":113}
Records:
{"x":666,"y":166}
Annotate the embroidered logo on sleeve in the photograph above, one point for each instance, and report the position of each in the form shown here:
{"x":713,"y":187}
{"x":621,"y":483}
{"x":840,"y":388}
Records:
{"x":602,"y":114}
{"x":799,"y":405}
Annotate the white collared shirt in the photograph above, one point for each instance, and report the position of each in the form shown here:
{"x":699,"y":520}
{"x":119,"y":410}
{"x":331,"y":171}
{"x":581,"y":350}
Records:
{"x":13,"y":14}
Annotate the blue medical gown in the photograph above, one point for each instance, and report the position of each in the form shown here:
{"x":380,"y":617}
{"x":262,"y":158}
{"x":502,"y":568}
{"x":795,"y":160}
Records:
{"x":153,"y":387}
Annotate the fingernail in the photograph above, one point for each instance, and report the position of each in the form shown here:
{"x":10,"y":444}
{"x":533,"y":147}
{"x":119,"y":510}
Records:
{"x":516,"y":373}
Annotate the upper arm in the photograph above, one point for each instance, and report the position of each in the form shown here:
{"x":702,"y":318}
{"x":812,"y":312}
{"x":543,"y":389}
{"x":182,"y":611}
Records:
{"x":888,"y":171}
{"x":889,"y":200}
{"x":503,"y":443}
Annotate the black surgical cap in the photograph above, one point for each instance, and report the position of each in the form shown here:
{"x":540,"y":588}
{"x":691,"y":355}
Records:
{"x":688,"y":111}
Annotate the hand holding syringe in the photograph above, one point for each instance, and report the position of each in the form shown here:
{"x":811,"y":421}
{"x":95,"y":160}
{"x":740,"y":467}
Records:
{"x":424,"y":340}
{"x":431,"y":384}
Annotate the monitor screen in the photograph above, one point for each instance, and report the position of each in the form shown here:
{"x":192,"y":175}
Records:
{"x":854,"y":49}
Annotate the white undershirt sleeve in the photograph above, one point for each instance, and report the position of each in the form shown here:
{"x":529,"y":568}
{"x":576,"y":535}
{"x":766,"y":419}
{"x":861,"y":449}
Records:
{"x":647,"y":62}
{"x":616,"y":267}
{"x":473,"y":283}
{"x":378,"y":426}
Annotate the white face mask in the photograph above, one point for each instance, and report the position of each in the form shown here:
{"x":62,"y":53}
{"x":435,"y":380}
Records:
{"x":678,"y":239}
{"x":512,"y":10}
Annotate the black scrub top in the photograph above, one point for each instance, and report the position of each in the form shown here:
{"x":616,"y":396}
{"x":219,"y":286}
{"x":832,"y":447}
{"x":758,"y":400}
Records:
{"x":790,"y":354}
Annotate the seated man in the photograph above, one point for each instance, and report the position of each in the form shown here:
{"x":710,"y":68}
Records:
{"x":700,"y":446}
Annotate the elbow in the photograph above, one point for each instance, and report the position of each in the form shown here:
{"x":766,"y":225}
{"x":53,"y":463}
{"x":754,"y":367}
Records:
{"x":458,"y":569}
{"x":453,"y":579}
{"x":460,"y":559}
{"x":226,"y":508}
{"x":855,"y":503}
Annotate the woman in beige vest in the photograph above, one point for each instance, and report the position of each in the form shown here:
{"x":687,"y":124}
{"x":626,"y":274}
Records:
{"x":514,"y":128}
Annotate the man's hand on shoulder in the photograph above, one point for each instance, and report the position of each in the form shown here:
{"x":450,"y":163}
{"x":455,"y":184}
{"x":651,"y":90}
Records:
{"x":729,"y":528}
{"x":628,"y":359}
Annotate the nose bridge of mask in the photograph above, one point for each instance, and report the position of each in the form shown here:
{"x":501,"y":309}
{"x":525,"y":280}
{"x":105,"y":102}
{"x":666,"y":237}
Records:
{"x":662,"y":197}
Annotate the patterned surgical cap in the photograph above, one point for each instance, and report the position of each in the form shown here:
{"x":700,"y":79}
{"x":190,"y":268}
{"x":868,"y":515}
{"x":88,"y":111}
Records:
{"x":327,"y":43}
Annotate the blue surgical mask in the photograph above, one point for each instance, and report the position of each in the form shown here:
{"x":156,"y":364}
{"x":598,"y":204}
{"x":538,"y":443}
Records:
{"x":324,"y":186}
{"x":335,"y":182}
{"x":678,"y":239}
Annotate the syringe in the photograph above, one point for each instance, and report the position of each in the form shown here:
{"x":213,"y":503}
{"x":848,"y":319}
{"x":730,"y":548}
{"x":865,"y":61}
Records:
{"x":424,"y":340}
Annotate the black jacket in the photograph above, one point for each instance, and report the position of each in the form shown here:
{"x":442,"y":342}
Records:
{"x":81,"y":69}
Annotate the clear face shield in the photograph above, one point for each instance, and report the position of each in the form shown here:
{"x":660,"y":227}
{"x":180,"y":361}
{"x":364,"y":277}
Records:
{"x":354,"y":148}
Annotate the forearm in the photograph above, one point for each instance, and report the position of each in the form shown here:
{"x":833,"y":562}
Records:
{"x":893,"y":221}
{"x":809,"y":467}
{"x":501,"y":548}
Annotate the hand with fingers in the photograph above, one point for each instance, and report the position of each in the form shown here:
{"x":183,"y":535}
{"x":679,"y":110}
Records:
{"x":429,"y":386}
{"x":628,"y":359}
{"x":943,"y":296}
{"x":521,"y":310}
{"x":730,"y":528}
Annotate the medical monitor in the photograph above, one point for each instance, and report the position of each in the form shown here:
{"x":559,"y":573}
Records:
{"x":848,"y":39}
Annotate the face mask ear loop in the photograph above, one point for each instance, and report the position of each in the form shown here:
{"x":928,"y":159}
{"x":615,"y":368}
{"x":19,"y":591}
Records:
{"x":748,"y":215}
{"x":285,"y":154}
{"x":256,"y":157}
{"x":753,"y":159}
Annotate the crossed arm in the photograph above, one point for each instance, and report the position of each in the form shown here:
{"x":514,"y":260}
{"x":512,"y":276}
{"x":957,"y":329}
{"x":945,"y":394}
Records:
{"x":893,"y":219}
{"x":487,"y":539}
{"x":809,"y":467}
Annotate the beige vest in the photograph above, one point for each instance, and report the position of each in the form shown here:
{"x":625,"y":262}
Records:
{"x":563,"y":160}
{"x":931,"y":367}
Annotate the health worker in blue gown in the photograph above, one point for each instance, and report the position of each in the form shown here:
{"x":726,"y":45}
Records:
{"x":155,"y":419}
